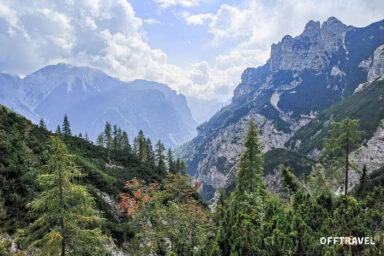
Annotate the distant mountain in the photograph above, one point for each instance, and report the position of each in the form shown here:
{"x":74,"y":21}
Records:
{"x":90,"y":98}
{"x":304,"y":76}
{"x":202,"y":109}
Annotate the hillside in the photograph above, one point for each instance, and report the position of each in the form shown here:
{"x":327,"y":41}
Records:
{"x":24,"y":152}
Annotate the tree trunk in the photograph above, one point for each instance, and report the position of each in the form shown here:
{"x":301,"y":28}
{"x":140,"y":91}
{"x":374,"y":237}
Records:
{"x":347,"y":163}
{"x":61,"y":213}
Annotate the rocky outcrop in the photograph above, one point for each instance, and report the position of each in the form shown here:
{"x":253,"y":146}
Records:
{"x":311,"y":50}
{"x":377,"y":67}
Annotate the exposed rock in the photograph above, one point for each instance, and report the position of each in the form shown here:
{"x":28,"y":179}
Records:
{"x":377,"y":68}
{"x":115,"y":209}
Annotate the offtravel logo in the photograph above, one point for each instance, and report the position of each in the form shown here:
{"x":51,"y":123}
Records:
{"x":348,"y":240}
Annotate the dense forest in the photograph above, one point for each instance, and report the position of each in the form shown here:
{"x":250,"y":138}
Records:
{"x":62,"y":195}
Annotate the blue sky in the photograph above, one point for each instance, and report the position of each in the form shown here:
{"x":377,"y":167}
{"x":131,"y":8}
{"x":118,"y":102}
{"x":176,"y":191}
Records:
{"x":197,"y":47}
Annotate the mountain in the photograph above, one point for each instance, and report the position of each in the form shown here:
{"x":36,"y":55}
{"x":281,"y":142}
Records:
{"x":90,"y":98}
{"x":303,"y":76}
{"x":202,"y":109}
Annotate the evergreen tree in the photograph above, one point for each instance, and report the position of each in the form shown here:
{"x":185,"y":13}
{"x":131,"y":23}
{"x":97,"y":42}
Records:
{"x":171,"y":163}
{"x":160,"y":159}
{"x":249,"y":177}
{"x":58,"y":131}
{"x":108,"y":136}
{"x":289,"y":184}
{"x":140,"y":146}
{"x":86,"y":137}
{"x":64,"y":210}
{"x":100,"y":140}
{"x":125,"y":142}
{"x":151,"y":153}
{"x":66,"y":127}
{"x":362,"y":187}
{"x":183,"y":167}
{"x":42,"y":124}
{"x":345,"y":137}
{"x":80,"y":135}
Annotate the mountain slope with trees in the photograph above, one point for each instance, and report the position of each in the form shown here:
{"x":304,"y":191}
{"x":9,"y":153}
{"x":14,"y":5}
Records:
{"x":304,"y":76}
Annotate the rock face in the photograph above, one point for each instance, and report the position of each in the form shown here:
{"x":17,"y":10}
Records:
{"x":90,"y":98}
{"x":304,"y":75}
{"x":377,"y":68}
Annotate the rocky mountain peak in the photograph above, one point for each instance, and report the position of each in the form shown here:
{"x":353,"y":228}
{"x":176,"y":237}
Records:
{"x":309,"y":50}
{"x":311,"y":29}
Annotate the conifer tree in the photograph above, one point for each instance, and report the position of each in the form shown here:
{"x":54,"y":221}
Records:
{"x":171,"y":163}
{"x":42,"y":124}
{"x":183,"y":167}
{"x":345,"y":137}
{"x":108,"y":136}
{"x":151,"y":153}
{"x":58,"y":131}
{"x":100,"y":140}
{"x":160,"y":159}
{"x":249,"y":177}
{"x":66,"y":127}
{"x":86,"y":137}
{"x":363,"y":180}
{"x":125,"y":142}
{"x":140,"y":146}
{"x":65,"y":215}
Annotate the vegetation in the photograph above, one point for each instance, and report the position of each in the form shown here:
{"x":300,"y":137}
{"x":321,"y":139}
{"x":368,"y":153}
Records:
{"x":345,"y":138}
{"x":58,"y":191}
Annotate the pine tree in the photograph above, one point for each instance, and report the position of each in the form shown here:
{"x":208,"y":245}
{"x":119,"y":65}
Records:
{"x":100,"y":140}
{"x":183,"y":167}
{"x":160,"y":159}
{"x":171,"y":163}
{"x":140,"y":146}
{"x":345,"y":137}
{"x":58,"y":131}
{"x":125,"y":142}
{"x":86,"y":137}
{"x":66,"y":127}
{"x":249,"y":177}
{"x":363,"y":181}
{"x":151,"y":153}
{"x":64,"y":210}
{"x":80,"y":135}
{"x":42,"y":124}
{"x":108,"y":136}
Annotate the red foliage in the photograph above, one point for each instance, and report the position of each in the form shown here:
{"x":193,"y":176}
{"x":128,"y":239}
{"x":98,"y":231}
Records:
{"x":137,"y":197}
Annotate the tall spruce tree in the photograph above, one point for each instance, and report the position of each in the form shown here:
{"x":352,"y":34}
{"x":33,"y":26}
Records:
{"x":58,"y":131}
{"x":66,"y":127}
{"x":42,"y":124}
{"x":344,"y":138}
{"x":249,"y":177}
{"x":160,"y":159}
{"x":171,"y":163}
{"x":125,"y":142}
{"x":64,"y":210}
{"x":151,"y":153}
{"x":108,"y":136}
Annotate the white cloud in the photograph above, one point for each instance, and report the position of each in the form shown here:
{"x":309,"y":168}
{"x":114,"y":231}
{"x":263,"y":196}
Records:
{"x":254,"y":25}
{"x":151,"y":21}
{"x":197,"y":19}
{"x":107,"y":34}
{"x":185,"y":3}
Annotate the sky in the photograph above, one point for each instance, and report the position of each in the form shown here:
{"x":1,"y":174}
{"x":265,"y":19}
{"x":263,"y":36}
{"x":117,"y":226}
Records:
{"x":197,"y":47}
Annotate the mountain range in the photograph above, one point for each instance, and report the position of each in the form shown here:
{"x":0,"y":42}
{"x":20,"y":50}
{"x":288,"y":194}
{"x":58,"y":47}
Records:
{"x":89,"y":97}
{"x":321,"y":75}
